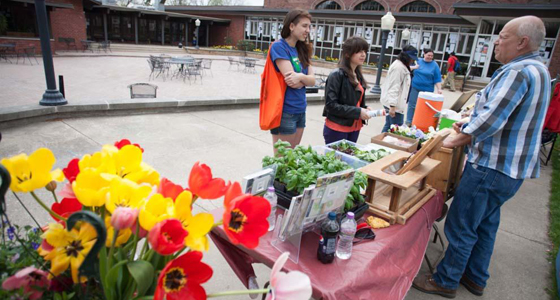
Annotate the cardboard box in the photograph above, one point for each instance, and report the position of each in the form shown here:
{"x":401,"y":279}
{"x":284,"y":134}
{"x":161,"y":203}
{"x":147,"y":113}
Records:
{"x":378,"y":139}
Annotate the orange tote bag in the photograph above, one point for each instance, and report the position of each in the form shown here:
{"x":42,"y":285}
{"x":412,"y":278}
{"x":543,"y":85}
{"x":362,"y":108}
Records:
{"x":273,"y":89}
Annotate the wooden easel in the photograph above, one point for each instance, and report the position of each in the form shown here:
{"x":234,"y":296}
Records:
{"x":408,"y":187}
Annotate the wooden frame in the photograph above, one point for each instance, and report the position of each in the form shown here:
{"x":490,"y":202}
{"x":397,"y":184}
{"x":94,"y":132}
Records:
{"x":378,"y":139}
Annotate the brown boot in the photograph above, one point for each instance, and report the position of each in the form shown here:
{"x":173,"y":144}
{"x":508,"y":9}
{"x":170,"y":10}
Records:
{"x":426,"y":283}
{"x":472,"y":287}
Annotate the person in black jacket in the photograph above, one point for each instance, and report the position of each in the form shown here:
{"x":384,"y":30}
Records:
{"x":345,"y":107}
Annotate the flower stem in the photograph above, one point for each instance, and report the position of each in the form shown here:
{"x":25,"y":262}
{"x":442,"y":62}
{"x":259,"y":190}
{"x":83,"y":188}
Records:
{"x":131,"y":257}
{"x":54,"y":195}
{"x":112,"y":250}
{"x":144,"y":249}
{"x":242,"y":292}
{"x":27,"y":210}
{"x":47,"y":208}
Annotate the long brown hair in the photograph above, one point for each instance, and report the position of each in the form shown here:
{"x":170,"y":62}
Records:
{"x":350,"y":47}
{"x":304,"y":49}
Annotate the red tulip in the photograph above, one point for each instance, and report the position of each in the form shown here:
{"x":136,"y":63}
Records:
{"x":66,"y":207}
{"x":167,"y":236}
{"x":125,"y":142}
{"x":72,"y":170}
{"x":203,"y":185}
{"x":182,"y":277}
{"x":245,"y":217}
{"x":169,"y":189}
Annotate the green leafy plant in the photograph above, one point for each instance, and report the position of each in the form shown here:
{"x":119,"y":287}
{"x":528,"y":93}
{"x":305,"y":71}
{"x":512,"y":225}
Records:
{"x":244,"y":45}
{"x":300,"y":167}
{"x":369,"y":156}
{"x":3,"y":24}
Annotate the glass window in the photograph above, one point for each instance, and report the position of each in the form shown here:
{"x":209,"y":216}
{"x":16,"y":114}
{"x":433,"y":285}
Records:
{"x":370,"y":5}
{"x":328,"y":5}
{"x":419,"y":7}
{"x":20,"y":19}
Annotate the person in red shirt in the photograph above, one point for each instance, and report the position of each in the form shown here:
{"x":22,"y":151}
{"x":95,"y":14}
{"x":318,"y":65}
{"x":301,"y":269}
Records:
{"x":450,"y":78}
{"x":345,"y":108}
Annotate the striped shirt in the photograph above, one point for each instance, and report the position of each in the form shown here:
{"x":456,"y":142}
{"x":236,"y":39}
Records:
{"x":508,"y":118}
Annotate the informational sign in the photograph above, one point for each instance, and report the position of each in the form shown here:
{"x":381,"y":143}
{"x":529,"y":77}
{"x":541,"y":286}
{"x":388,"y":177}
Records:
{"x":452,"y":44}
{"x":359,"y":31}
{"x":273,"y":31}
{"x":312,"y":33}
{"x":426,"y":40}
{"x":261,"y":28}
{"x":320,"y":34}
{"x":338,"y":35}
{"x":414,"y":37}
{"x":280,"y":31}
{"x":248,"y":28}
{"x":391,"y":39}
{"x":369,"y":35}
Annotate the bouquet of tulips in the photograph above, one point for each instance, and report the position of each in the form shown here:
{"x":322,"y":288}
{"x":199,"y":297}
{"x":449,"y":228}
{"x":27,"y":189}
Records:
{"x":134,"y":231}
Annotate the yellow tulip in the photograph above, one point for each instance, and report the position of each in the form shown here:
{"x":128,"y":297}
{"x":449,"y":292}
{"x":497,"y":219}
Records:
{"x":122,"y":238}
{"x":126,"y":193}
{"x":90,"y":188}
{"x":69,"y":247}
{"x":33,"y":172}
{"x":155,"y":210}
{"x":197,"y":226}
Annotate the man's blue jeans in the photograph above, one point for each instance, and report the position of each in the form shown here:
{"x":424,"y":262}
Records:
{"x":397,"y":120}
{"x":472,"y":223}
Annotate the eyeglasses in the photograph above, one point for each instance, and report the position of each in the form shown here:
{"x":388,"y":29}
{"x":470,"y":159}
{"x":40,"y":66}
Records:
{"x":363,"y":234}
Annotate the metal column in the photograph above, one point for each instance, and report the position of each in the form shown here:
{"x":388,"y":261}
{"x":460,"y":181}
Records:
{"x":105,"y":27}
{"x":207,"y":35}
{"x":136,"y":29}
{"x":52,"y":96}
{"x":163,"y":32}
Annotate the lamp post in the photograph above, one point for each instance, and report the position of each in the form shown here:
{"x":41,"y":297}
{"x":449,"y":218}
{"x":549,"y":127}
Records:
{"x":405,"y":37}
{"x":387,"y":23}
{"x":52,"y":96}
{"x":197,"y":23}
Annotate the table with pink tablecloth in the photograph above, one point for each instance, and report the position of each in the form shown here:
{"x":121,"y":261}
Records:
{"x":379,"y":269}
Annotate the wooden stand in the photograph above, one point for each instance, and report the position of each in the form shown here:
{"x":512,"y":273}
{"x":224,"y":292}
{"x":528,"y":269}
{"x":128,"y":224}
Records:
{"x":409,"y":190}
{"x":446,"y":176}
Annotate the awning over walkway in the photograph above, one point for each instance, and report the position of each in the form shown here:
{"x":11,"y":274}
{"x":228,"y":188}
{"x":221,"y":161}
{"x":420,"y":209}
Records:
{"x":473,"y":12}
{"x":161,"y":13}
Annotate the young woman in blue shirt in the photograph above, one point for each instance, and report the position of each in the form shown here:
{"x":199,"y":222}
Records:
{"x":426,"y":76}
{"x":292,"y":57}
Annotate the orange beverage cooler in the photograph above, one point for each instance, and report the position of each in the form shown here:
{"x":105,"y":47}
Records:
{"x":427,"y":105}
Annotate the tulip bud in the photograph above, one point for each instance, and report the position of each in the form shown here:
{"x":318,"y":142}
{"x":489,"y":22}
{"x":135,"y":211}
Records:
{"x":51,"y":186}
{"x":124,"y":217}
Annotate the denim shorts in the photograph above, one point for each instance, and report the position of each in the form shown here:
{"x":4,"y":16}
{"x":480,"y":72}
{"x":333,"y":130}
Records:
{"x":289,"y":123}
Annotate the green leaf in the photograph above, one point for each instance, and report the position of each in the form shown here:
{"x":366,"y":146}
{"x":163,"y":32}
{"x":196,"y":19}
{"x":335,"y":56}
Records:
{"x":143,"y":273}
{"x":112,"y":277}
{"x":57,"y":296}
{"x":103,"y":270}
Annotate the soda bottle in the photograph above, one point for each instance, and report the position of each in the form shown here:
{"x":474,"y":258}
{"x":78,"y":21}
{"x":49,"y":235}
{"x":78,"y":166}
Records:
{"x":273,"y":200}
{"x":329,"y":233}
{"x":347,"y":232}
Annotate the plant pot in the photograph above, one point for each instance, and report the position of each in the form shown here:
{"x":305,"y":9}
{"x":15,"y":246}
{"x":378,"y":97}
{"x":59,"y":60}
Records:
{"x":359,"y":210}
{"x":284,"y":196}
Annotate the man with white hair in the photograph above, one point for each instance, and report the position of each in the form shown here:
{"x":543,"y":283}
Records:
{"x":503,"y":137}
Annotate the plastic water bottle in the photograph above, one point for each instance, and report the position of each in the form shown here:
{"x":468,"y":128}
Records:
{"x":273,"y":200}
{"x":377,"y":113}
{"x":347,"y":232}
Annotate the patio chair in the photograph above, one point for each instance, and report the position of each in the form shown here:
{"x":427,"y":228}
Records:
{"x":27,"y":52}
{"x":233,"y":62}
{"x":87,"y":45}
{"x":462,"y":100}
{"x":194,"y":70}
{"x":156,"y":66}
{"x":104,"y":46}
{"x":207,"y":65}
{"x":250,"y":65}
{"x":70,"y":43}
{"x":7,"y":50}
{"x":143,"y":90}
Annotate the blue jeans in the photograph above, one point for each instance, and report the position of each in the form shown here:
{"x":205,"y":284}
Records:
{"x":332,"y":136}
{"x":289,"y":123}
{"x":472,"y":223}
{"x":412,"y":98}
{"x":397,"y":120}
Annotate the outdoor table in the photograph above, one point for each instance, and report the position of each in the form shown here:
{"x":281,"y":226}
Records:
{"x":182,"y":61}
{"x":380,"y":269}
{"x":5,"y":50}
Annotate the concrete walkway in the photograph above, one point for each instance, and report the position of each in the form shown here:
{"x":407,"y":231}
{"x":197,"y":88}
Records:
{"x":230,"y":142}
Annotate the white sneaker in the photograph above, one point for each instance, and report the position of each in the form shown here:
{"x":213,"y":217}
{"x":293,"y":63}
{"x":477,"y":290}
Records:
{"x":253,"y":285}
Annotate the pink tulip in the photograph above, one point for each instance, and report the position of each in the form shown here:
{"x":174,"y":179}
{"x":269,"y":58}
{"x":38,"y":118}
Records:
{"x":67,"y":191}
{"x":32,"y":280}
{"x":288,"y":286}
{"x":124,"y":217}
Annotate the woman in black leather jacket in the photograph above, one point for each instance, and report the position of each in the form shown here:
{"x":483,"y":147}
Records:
{"x":345,"y":106}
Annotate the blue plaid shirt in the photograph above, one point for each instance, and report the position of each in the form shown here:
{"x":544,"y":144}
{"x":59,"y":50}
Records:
{"x":508,"y":118}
